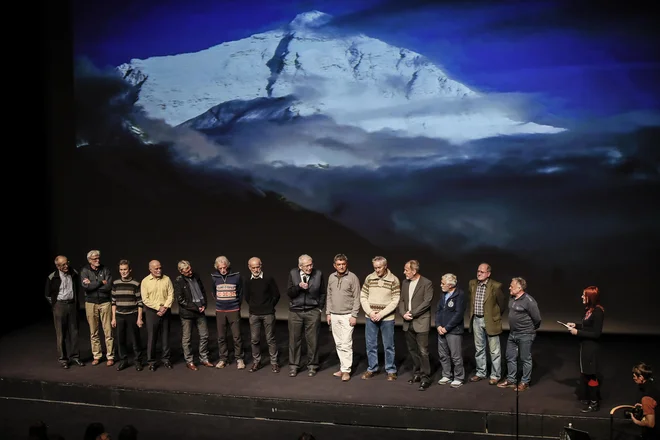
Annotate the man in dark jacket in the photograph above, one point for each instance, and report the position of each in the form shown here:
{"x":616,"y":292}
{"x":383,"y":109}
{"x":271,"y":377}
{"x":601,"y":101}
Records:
{"x":97,"y":284}
{"x":191,"y":296}
{"x":449,"y":322}
{"x":62,"y":295}
{"x":261,"y":296}
{"x":307,"y":290}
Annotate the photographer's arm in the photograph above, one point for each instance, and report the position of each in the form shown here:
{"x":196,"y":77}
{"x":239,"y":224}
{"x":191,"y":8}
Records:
{"x":648,"y":420}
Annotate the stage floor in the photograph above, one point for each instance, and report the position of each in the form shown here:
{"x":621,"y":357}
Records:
{"x":29,"y":356}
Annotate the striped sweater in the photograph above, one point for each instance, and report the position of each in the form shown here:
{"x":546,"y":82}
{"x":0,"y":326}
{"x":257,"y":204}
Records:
{"x":381,"y":294}
{"x":228,"y":291}
{"x":126,"y":296}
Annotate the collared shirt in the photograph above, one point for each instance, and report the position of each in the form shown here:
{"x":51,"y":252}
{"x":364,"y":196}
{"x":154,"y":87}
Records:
{"x":253,"y":277}
{"x":479,"y":298}
{"x":411,"y":291}
{"x":304,"y":277}
{"x":66,"y":287}
{"x":157,"y":292}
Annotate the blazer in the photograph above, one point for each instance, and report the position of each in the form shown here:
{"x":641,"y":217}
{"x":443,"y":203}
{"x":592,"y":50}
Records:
{"x":421,"y":304}
{"x":495,"y":304}
{"x":451,"y":315}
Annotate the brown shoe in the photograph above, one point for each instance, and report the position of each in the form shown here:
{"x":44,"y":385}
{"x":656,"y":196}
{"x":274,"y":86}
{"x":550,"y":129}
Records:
{"x":275,"y":368}
{"x":506,"y":384}
{"x":492,"y":381}
{"x":254,"y":367}
{"x":337,"y":374}
{"x":345,"y":377}
{"x":207,"y":364}
{"x":522,"y":387}
{"x":476,"y":378}
{"x":96,"y":361}
{"x":368,"y":375}
{"x":391,"y":377}
{"x":192,"y":366}
{"x":110,"y":362}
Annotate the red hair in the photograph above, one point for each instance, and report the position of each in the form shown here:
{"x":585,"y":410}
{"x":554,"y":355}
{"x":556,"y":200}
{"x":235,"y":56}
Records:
{"x":592,"y":293}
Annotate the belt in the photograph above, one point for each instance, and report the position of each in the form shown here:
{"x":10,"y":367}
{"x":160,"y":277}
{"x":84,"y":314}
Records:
{"x":479,"y":316}
{"x":66,"y":301}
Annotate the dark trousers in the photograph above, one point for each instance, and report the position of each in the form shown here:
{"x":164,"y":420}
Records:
{"x":309,"y":324}
{"x":65,"y":317}
{"x":268,"y":323}
{"x":233,"y":321}
{"x":418,"y":346}
{"x":127,"y":328}
{"x":589,"y":387}
{"x":157,"y":325}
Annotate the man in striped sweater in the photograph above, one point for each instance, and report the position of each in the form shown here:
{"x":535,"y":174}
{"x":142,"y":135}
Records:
{"x":379,"y":298}
{"x":127,"y":315}
{"x":228,"y":296}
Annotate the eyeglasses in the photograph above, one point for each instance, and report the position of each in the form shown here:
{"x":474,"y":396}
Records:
{"x":482,"y":271}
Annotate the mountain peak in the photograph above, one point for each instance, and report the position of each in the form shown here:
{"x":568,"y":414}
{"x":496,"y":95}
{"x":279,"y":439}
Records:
{"x":310,"y":19}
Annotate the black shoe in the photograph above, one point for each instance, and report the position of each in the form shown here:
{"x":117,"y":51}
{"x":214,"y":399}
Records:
{"x":78,"y":362}
{"x":415,"y":378}
{"x":168,"y":365}
{"x":152,"y":367}
{"x":592,"y":407}
{"x":138,"y":366}
{"x":293,"y":373}
{"x":65,"y":365}
{"x":312,"y":373}
{"x":424,"y":385}
{"x":122,"y":365}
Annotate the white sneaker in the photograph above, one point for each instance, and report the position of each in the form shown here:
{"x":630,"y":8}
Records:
{"x":240,"y":364}
{"x":455,"y":383}
{"x":444,"y":381}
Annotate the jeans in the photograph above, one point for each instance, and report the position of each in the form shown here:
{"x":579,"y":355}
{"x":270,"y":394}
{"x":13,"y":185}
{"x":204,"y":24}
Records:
{"x":268,"y":323}
{"x":387,"y":332}
{"x":450,"y":350}
{"x":186,"y":336}
{"x":480,"y":338}
{"x":519,"y":345}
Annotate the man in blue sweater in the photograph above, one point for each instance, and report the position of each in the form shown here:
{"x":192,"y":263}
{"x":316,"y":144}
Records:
{"x":228,"y":295}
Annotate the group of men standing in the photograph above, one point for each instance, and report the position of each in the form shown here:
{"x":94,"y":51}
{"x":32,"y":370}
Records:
{"x":127,"y":305}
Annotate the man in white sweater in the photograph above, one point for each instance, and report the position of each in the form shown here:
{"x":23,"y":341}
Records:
{"x":379,"y":298}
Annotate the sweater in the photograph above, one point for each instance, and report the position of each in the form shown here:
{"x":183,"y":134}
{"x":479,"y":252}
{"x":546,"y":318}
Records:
{"x":524,"y":314}
{"x":381,"y":294}
{"x":228,"y":291}
{"x":262,"y":295}
{"x":126,"y":296}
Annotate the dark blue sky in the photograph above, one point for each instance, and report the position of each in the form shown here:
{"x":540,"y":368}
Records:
{"x":577,"y":58}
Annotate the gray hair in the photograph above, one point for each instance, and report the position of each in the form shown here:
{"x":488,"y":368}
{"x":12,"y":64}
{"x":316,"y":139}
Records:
{"x":379,"y":259}
{"x":340,"y":257}
{"x":221,"y":259}
{"x":183,"y":265}
{"x":93,"y":253}
{"x":414,"y":265}
{"x":450,"y":279}
{"x":303,"y":258}
{"x":521,"y":282}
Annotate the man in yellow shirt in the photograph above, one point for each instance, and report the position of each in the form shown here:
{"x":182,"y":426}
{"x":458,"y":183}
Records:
{"x":157,"y":293}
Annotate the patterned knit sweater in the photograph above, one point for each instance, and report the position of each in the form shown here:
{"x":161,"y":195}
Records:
{"x":381,"y":294}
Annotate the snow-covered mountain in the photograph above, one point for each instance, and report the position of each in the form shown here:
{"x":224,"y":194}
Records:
{"x":354,"y":79}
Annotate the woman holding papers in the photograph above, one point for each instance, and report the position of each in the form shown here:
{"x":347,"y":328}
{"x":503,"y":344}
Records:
{"x":589,"y":332}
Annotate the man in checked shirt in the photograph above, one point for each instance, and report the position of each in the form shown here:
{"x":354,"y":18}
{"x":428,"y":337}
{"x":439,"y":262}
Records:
{"x":487,"y":305}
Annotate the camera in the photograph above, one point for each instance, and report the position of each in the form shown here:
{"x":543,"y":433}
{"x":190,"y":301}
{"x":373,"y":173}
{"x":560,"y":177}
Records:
{"x":636,"y":411}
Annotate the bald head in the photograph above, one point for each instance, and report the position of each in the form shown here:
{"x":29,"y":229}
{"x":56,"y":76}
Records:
{"x":155,"y":268}
{"x":254,"y":264}
{"x":62,"y":263}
